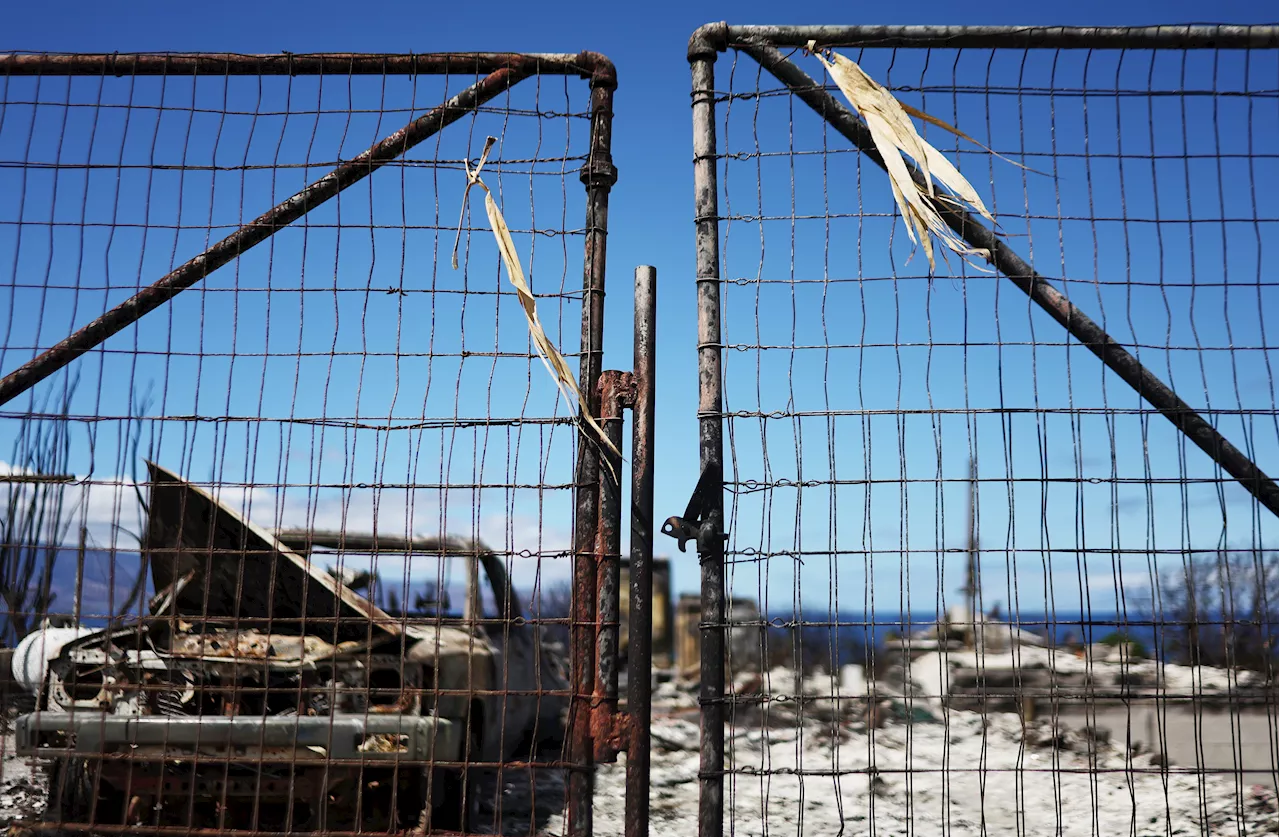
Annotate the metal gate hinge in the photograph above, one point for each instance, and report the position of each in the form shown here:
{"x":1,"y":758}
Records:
{"x":611,"y":733}
{"x":689,"y":527}
{"x":617,"y":385}
{"x":598,"y":171}
{"x":619,"y":736}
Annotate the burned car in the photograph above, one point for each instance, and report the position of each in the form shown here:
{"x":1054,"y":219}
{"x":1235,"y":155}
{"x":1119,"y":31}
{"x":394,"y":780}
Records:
{"x":263,"y":692}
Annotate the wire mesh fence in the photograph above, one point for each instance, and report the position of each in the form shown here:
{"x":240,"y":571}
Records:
{"x":294,"y":551}
{"x":973,"y":581}
{"x":301,"y":537}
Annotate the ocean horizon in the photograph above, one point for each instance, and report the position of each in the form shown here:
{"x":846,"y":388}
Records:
{"x":109,"y":576}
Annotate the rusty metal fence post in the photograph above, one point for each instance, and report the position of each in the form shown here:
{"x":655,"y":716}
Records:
{"x":612,"y":731}
{"x":640,"y":628}
{"x":703,"y":49}
{"x":599,"y":176}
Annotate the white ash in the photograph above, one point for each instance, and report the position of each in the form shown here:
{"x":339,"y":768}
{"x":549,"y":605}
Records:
{"x":22,"y":786}
{"x":965,"y":774}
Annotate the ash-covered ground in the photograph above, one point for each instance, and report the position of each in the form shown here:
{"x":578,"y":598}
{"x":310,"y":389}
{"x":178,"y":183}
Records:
{"x":22,"y":785}
{"x":903,"y":769}
{"x":813,"y":766}
{"x":963,"y":775}
{"x":917,"y":769}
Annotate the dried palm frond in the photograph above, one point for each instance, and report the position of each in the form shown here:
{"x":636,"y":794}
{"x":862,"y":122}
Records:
{"x":551,"y":358}
{"x":894,"y":134}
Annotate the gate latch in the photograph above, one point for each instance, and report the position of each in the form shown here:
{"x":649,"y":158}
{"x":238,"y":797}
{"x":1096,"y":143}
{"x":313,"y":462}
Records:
{"x":685,"y":529}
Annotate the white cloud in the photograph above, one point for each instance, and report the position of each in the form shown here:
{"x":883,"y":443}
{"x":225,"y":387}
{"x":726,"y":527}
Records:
{"x":109,"y":510}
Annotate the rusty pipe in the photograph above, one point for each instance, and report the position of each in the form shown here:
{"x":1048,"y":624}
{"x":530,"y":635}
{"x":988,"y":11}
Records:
{"x":702,"y":57}
{"x":599,"y":176}
{"x":640,"y":615}
{"x":616,"y":394}
{"x":1176,"y":36}
{"x":218,"y":64}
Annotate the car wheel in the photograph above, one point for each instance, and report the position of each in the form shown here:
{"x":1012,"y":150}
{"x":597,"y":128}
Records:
{"x":458,"y":806}
{"x":74,"y":799}
{"x":542,"y":739}
{"x":70,"y":793}
{"x":454,"y":802}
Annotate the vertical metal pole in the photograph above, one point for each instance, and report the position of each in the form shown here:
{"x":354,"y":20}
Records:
{"x":702,"y":56}
{"x":615,"y":390}
{"x":640,"y":624}
{"x":599,"y":176}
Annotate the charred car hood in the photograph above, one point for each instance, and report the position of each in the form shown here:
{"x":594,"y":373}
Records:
{"x":210,"y":565}
{"x":248,"y":644}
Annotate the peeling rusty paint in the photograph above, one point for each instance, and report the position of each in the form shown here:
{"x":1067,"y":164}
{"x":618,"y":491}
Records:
{"x":640,"y":611}
{"x":616,"y":389}
{"x":587,"y":64}
{"x":598,"y":175}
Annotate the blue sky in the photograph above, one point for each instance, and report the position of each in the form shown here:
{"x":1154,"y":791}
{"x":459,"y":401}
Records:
{"x":901,"y":355}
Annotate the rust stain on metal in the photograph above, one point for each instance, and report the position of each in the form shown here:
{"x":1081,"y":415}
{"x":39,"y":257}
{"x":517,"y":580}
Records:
{"x":611,"y":733}
{"x":591,"y":65}
{"x":598,"y":175}
{"x":232,"y":644}
{"x":615,"y":390}
{"x":640,"y":612}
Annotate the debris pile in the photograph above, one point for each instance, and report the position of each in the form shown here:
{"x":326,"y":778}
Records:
{"x":22,"y":789}
{"x":230,"y":680}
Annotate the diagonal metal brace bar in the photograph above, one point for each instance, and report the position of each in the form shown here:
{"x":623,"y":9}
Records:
{"x":261,"y":228}
{"x":1054,"y":302}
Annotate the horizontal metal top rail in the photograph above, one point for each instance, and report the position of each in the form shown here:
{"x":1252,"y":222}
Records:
{"x":586,"y":64}
{"x":305,"y":539}
{"x":719,"y":36}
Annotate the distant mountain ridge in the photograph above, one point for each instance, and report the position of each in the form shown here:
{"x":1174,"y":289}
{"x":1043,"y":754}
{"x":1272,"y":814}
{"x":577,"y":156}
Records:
{"x":104,"y":586}
{"x":109,"y":577}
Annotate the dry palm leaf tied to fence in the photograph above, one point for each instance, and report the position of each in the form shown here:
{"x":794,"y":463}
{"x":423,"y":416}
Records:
{"x":894,"y":134}
{"x":551,"y":357}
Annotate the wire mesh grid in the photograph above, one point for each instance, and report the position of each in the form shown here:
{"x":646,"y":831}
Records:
{"x":319,"y":506}
{"x":974,"y":582}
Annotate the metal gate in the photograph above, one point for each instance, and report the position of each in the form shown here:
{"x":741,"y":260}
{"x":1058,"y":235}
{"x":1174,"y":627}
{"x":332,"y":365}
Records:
{"x":302,"y":537}
{"x":1001,"y":587}
{"x":315,"y":545}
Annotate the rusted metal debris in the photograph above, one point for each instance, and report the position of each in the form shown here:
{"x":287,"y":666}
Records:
{"x":239,"y":571}
{"x":262,"y":678}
